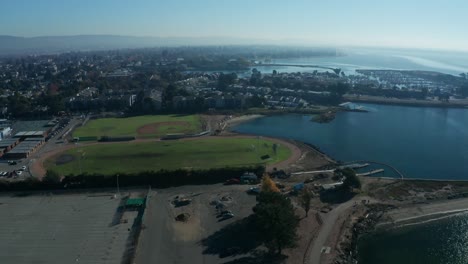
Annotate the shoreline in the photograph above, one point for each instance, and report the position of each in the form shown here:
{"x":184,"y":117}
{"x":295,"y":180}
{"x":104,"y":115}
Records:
{"x":462,"y":104}
{"x":240,"y":119}
{"x":389,"y":217}
{"x":412,"y":214}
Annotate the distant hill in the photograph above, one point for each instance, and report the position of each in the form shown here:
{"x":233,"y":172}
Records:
{"x":56,"y":44}
{"x":10,"y":45}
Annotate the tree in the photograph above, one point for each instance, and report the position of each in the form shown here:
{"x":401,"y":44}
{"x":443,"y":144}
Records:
{"x":51,"y":177}
{"x":276,"y":221}
{"x":275,"y":148}
{"x":304,"y":198}
{"x":268,"y":185}
{"x":424,"y":92}
{"x":19,"y":105}
{"x":444,"y":97}
{"x":224,"y":80}
{"x":464,"y":90}
{"x":351,"y":180}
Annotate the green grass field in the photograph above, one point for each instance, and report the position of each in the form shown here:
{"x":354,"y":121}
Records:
{"x":146,"y":156}
{"x":140,"y":126}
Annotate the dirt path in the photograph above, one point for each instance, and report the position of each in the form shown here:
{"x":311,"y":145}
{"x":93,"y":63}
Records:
{"x":38,"y":169}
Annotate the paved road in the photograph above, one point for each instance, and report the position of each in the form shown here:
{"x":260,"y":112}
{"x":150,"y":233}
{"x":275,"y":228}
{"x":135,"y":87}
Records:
{"x":329,"y":221}
{"x":312,"y":172}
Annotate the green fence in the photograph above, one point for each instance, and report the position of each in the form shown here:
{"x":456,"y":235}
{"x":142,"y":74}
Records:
{"x":88,"y":138}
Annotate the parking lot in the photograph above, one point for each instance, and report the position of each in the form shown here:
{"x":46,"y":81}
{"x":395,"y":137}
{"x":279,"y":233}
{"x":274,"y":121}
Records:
{"x":78,"y":228}
{"x":197,"y":238}
{"x":20,"y":169}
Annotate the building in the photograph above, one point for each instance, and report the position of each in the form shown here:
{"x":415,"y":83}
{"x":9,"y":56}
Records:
{"x":4,"y":132}
{"x":8,"y":144}
{"x":25,"y":148}
{"x":30,"y":134}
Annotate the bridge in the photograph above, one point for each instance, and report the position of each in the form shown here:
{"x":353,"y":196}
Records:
{"x":335,"y":70}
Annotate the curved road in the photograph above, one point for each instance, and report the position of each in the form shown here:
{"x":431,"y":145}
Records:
{"x":329,"y":221}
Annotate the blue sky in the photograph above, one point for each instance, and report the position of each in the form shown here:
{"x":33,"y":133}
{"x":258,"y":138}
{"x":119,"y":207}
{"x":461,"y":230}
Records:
{"x":408,"y":23}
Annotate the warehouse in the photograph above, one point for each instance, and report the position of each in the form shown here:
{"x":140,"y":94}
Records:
{"x":8,"y":144}
{"x":25,"y":148}
{"x":30,"y":134}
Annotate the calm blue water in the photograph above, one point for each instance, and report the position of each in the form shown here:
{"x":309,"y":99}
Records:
{"x":439,"y":242}
{"x":421,"y":142}
{"x":445,"y":62}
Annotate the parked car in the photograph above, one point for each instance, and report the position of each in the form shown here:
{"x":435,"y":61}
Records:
{"x":227,"y":216}
{"x":23,"y":168}
{"x":232,"y":181}
{"x":253,"y":190}
{"x":182,"y":202}
{"x":19,"y":172}
{"x":223,"y":213}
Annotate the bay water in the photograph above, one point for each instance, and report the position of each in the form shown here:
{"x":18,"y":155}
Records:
{"x":421,"y":142}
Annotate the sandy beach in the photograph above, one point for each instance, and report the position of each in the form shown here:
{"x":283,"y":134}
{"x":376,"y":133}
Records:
{"x":240,"y":119}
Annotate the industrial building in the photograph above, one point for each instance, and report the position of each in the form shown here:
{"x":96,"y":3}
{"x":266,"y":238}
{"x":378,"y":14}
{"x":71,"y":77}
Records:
{"x":4,"y":132}
{"x":31,"y":134}
{"x":8,"y":143}
{"x":24,"y":148}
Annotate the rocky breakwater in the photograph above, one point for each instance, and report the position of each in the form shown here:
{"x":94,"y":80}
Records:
{"x":361,"y":223}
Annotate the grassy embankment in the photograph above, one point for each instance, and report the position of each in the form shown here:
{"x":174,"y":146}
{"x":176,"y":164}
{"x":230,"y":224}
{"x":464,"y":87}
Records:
{"x":152,"y":156}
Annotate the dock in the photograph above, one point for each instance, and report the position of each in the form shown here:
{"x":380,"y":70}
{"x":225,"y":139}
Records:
{"x":354,"y":166}
{"x":370,"y":172}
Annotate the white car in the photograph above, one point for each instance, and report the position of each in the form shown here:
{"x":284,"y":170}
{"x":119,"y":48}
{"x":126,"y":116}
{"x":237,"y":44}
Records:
{"x":23,"y":168}
{"x":19,"y":172}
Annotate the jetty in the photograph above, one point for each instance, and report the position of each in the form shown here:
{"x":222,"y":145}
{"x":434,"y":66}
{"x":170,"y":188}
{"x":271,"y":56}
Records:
{"x":312,"y":172}
{"x":380,"y":163}
{"x":354,"y":166}
{"x":335,"y":70}
{"x":352,"y":107}
{"x":370,"y":172}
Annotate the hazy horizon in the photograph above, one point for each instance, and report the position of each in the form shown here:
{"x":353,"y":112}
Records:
{"x":362,"y":23}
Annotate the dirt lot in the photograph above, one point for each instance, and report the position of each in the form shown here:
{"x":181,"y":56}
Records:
{"x":204,"y":238}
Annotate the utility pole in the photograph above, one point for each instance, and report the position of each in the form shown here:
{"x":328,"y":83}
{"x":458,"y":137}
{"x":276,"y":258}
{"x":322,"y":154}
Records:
{"x":82,"y":153}
{"x":118,"y":188}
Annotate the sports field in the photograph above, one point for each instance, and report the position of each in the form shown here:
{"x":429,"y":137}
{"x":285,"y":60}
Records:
{"x":145,"y":156}
{"x":140,"y":126}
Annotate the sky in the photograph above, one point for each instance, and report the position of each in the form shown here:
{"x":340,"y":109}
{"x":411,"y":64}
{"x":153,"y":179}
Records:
{"x":392,"y":23}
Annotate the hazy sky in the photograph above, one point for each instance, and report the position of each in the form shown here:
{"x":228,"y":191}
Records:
{"x":402,"y":23}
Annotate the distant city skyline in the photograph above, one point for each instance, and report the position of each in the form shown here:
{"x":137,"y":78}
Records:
{"x":426,"y":24}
